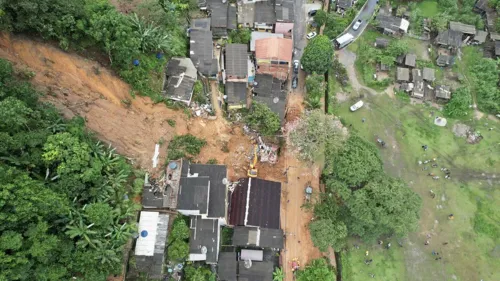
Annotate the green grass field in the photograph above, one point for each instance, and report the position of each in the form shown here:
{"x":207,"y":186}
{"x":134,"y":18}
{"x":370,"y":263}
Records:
{"x":473,"y":237}
{"x":429,"y":8}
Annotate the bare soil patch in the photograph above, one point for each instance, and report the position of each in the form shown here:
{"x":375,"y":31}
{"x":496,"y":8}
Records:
{"x":132,"y":125}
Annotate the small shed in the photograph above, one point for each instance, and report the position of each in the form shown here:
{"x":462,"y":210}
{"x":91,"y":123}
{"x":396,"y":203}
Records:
{"x":495,"y":36}
{"x":480,"y":37}
{"x":428,"y":74}
{"x":381,"y":43}
{"x":418,"y":82}
{"x":444,"y":60}
{"x":385,"y":67}
{"x":462,"y":27}
{"x":403,"y":74}
{"x":443,"y":92}
{"x":410,"y":60}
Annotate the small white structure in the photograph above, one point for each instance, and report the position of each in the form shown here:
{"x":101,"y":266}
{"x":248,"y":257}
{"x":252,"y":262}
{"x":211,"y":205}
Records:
{"x":253,"y":255}
{"x":357,"y":106}
{"x":440,"y":121}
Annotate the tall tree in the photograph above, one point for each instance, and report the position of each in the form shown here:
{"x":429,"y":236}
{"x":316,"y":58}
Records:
{"x":326,"y":233}
{"x":317,"y":269}
{"x":318,"y":55}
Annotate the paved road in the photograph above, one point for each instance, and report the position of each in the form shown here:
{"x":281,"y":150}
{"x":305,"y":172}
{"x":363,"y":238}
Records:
{"x":299,"y":29}
{"x":365,"y":14}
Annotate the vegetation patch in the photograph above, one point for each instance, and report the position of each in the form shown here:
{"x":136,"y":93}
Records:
{"x":263,"y":119}
{"x":185,"y":146}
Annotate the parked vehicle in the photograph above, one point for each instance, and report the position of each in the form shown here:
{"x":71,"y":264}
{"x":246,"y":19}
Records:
{"x":357,"y":106}
{"x":295,"y":82}
{"x":311,"y":35}
{"x":357,"y":25}
{"x":296,"y":66}
{"x":312,"y":13}
{"x":343,"y":40}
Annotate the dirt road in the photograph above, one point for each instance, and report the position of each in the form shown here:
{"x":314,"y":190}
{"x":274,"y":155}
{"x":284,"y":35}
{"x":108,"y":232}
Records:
{"x":78,"y":86}
{"x":298,"y":244}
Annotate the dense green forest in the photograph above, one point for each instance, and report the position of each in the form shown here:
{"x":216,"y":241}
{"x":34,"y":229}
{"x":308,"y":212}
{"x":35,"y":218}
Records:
{"x":64,"y":207}
{"x":145,"y":38}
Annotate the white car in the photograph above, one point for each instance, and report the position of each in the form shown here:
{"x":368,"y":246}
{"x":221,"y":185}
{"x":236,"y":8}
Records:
{"x":357,"y":25}
{"x":311,"y":35}
{"x":357,"y":106}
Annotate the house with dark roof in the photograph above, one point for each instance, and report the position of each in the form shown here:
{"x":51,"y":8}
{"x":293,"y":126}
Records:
{"x":274,"y":56}
{"x":410,"y":60}
{"x":180,"y":76}
{"x":391,"y":25}
{"x":381,"y":43}
{"x":265,"y":15}
{"x":201,"y":53}
{"x":201,"y":24}
{"x":444,"y":60}
{"x":257,"y":237}
{"x":255,"y":202}
{"x":236,"y":95}
{"x":255,"y":271}
{"x":480,"y":37}
{"x":451,"y":39}
{"x":227,"y":266}
{"x":428,"y":74}
{"x":219,"y":18}
{"x":204,"y":240}
{"x":443,"y":92}
{"x":285,"y":17}
{"x":481,"y":6}
{"x":463,"y":28}
{"x":272,"y":92}
{"x":403,"y":74}
{"x":418,"y":84}
{"x":236,"y":63}
{"x":344,"y":5}
{"x":149,"y":251}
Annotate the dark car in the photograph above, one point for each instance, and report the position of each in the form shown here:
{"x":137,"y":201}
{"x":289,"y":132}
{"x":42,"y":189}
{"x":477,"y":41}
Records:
{"x":295,"y":82}
{"x":312,"y":13}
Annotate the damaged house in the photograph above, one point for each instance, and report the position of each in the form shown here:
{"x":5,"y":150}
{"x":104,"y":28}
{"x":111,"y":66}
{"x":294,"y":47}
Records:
{"x":180,"y":76}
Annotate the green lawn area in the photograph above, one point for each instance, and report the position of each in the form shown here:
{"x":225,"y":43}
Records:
{"x":472,"y":251}
{"x":428,"y":8}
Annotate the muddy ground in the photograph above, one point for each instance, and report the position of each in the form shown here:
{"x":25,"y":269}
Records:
{"x":82,"y":87}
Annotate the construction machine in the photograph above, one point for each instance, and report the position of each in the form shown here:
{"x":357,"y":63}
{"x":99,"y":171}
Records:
{"x":252,"y":171}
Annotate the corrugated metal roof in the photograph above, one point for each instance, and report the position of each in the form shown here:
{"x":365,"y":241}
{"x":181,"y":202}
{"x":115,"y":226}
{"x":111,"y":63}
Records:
{"x":148,"y":225}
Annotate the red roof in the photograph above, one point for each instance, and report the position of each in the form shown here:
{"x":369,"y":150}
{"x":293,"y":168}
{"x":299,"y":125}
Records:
{"x":274,"y":48}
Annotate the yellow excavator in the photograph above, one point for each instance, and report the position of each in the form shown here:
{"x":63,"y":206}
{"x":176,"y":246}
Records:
{"x":252,"y":171}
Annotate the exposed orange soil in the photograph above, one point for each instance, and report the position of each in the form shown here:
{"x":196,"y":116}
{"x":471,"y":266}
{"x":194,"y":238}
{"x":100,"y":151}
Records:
{"x":78,"y":86}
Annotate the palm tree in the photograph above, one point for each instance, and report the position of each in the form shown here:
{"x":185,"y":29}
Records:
{"x":278,"y":274}
{"x":313,"y":103}
{"x":78,"y":228}
{"x":120,"y":234}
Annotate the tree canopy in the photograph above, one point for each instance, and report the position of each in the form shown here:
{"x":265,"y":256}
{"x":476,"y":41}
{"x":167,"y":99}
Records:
{"x":327,"y":233}
{"x":263,"y":119}
{"x":178,"y":247}
{"x":317,"y":135}
{"x":64,"y":207}
{"x":318,"y":55}
{"x":460,"y":103}
{"x":317,"y":269}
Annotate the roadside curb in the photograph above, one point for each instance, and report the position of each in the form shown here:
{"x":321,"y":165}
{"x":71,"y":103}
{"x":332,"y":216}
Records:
{"x":349,"y":26}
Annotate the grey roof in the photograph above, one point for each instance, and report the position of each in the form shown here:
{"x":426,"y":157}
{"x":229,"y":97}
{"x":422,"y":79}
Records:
{"x":285,"y":11}
{"x":201,"y":52}
{"x":232,"y":22}
{"x":444,"y":60}
{"x":264,"y":12}
{"x":381,"y":42}
{"x":410,"y":60}
{"x":151,"y":198}
{"x":193,"y":194}
{"x":236,"y":60}
{"x":153,"y":265}
{"x":497,"y":48}
{"x":219,"y":14}
{"x":271,"y":91}
{"x":262,"y":35}
{"x":246,"y":13}
{"x":462,"y":27}
{"x":236,"y":93}
{"x":428,"y":74}
{"x":244,"y":236}
{"x":418,"y":82}
{"x":227,"y":265}
{"x":180,"y":78}
{"x":204,"y":233}
{"x":344,"y":4}
{"x":218,"y":190}
{"x":495,"y":36}
{"x":480,"y":36}
{"x":388,"y":22}
{"x":259,"y":271}
{"x":491,"y":16}
{"x":201,"y":24}
{"x":450,"y":38}
{"x":443,"y":92}
{"x":403,"y":74}
{"x":481,"y":5}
